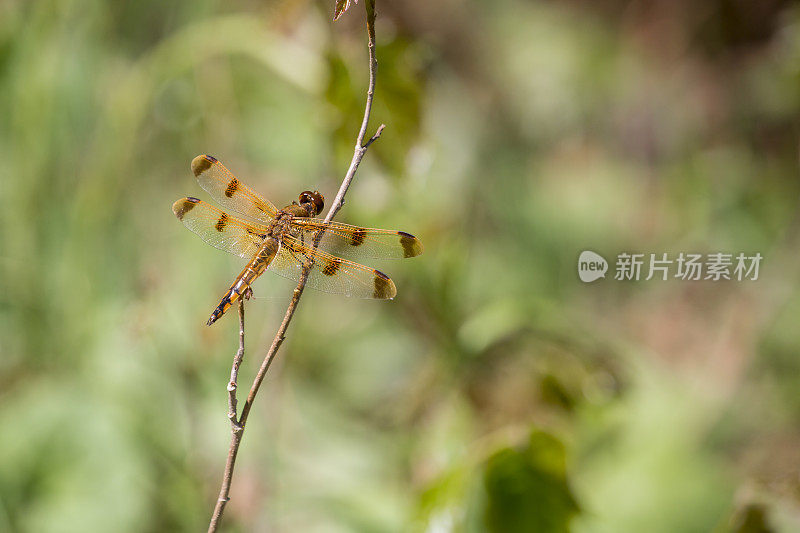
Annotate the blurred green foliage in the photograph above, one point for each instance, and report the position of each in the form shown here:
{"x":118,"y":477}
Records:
{"x":497,"y":392}
{"x":527,"y":489}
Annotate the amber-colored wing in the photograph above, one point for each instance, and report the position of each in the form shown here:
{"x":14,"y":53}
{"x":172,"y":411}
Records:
{"x":330,"y":273}
{"x":356,"y":242}
{"x":231,"y":193}
{"x":219,"y":229}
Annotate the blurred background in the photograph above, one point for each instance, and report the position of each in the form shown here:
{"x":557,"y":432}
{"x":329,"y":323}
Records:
{"x":497,"y":392}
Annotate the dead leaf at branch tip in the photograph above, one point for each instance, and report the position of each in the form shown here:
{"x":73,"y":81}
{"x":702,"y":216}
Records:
{"x":341,"y":7}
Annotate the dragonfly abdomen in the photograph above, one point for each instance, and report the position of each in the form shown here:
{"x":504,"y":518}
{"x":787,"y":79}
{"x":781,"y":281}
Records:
{"x":246,"y":277}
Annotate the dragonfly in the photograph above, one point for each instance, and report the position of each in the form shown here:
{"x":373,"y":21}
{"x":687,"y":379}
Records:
{"x":288,"y":241}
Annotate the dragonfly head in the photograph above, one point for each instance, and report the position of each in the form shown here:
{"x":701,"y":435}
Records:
{"x":316,"y":200}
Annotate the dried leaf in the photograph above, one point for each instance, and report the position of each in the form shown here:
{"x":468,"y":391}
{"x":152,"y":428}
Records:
{"x":341,"y":7}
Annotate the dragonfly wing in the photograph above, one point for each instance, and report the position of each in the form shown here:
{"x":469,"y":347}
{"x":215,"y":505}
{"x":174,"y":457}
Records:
{"x":356,"y":242}
{"x":218,"y":228}
{"x":329,"y":273}
{"x":231,"y":193}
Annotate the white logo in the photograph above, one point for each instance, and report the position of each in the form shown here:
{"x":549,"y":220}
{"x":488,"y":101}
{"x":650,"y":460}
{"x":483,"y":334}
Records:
{"x":591,"y":266}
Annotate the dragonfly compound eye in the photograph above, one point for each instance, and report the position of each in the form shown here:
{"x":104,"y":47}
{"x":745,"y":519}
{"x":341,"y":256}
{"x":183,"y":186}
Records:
{"x":314,"y":198}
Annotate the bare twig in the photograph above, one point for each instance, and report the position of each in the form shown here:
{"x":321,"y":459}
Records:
{"x":237,"y":426}
{"x":237,"y":361}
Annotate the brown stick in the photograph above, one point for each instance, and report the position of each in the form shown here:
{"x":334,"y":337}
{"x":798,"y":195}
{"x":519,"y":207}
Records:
{"x":237,"y":426}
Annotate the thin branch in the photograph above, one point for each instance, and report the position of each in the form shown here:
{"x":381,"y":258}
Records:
{"x":237,"y":362}
{"x":237,"y":426}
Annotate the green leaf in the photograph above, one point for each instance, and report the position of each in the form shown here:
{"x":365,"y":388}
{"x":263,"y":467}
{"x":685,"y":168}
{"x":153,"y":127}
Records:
{"x":527,"y":489}
{"x":341,"y":7}
{"x":398,"y":104}
{"x":752,"y":519}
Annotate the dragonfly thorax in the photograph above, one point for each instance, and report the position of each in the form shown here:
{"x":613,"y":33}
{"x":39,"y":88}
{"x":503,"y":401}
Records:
{"x":282,"y":223}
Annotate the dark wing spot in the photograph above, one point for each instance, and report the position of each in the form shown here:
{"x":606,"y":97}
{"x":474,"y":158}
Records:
{"x":232,"y":186}
{"x":222,"y":222}
{"x":257,"y":234}
{"x":411,"y":246}
{"x":384,"y":287}
{"x":201,"y":163}
{"x":358,"y":236}
{"x":332,"y":267}
{"x":181,"y":207}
